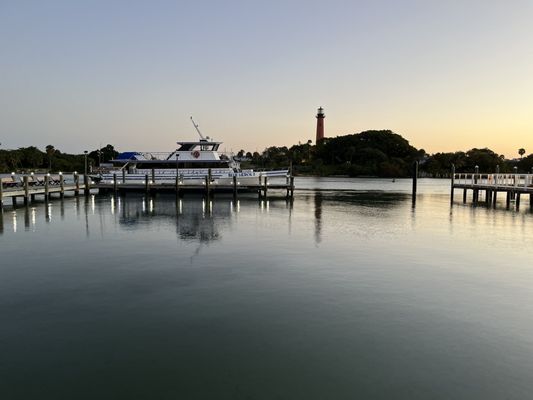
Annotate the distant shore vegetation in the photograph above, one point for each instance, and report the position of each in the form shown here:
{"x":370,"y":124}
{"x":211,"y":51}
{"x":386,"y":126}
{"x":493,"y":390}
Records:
{"x":375,"y":153}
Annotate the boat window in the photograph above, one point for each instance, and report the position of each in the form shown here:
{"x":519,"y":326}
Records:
{"x":187,"y":147}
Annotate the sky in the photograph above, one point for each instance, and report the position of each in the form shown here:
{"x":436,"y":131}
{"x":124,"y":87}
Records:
{"x":446,"y":75}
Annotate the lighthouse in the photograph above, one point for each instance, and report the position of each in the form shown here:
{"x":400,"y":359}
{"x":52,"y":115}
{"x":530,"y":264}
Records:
{"x":320,"y":125}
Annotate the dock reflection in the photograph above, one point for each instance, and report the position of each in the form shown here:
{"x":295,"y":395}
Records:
{"x":195,"y":218}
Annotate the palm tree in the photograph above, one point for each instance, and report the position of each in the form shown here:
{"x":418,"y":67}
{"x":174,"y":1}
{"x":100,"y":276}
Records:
{"x":50,"y":151}
{"x":521,"y":152}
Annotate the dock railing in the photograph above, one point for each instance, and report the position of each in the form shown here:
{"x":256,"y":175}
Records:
{"x":494,"y":180}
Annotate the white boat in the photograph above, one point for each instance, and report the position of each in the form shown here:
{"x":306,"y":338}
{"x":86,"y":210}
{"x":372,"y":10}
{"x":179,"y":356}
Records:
{"x":192,"y":162}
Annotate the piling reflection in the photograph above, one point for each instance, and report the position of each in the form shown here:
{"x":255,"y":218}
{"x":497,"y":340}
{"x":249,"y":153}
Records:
{"x":27,"y":218}
{"x":318,"y":217}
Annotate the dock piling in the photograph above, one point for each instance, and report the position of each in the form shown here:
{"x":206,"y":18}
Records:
{"x":453,"y":184}
{"x":76,"y":184}
{"x":26,"y":189}
{"x":86,"y":186}
{"x":415,"y":178}
{"x":61,"y":185}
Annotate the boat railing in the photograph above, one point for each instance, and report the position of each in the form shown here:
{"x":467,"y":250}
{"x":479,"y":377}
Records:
{"x":166,"y":155}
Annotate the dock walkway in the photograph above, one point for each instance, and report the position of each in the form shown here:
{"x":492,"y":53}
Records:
{"x":512,"y":185}
{"x":28,"y":188}
{"x":208,"y":186}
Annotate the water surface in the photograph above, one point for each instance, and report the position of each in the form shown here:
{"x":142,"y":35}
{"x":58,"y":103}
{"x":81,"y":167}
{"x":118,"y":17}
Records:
{"x":344,"y":293}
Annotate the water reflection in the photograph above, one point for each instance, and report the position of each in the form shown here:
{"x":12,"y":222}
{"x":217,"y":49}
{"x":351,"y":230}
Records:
{"x":195,"y":218}
{"x":318,"y":217}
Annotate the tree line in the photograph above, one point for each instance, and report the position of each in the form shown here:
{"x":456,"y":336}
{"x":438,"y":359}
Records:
{"x":380,"y":153}
{"x":52,"y":160}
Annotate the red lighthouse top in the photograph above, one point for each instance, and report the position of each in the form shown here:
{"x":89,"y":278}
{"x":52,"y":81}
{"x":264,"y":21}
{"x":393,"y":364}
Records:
{"x":320,"y":125}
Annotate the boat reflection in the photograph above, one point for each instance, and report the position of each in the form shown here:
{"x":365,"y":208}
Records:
{"x":196,"y":218}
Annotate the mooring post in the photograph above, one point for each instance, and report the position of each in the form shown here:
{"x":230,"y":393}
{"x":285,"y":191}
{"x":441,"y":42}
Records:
{"x":153,"y":175}
{"x":234,"y":185}
{"x":47,"y":187}
{"x":531,"y":201}
{"x":494,"y":198}
{"x":453,"y":183}
{"x":266,"y":187}
{"x":292,"y":186}
{"x":115,"y":183}
{"x":208,"y":183}
{"x":61,"y":185}
{"x":123,"y":175}
{"x":515,"y":181}
{"x":26,"y":189}
{"x":517,"y":201}
{"x":415,"y":177}
{"x":465,"y":191}
{"x":86,"y":186}
{"x":76,"y":184}
{"x":1,"y":195}
{"x":146,"y":183}
{"x":177,"y":185}
{"x":508,"y":200}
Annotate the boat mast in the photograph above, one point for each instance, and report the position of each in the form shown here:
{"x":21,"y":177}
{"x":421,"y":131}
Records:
{"x":198,"y":130}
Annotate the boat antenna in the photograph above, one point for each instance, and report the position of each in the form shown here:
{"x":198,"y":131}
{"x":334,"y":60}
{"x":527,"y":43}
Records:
{"x":197,"y":129}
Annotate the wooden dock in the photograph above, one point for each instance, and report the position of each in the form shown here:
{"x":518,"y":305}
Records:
{"x":28,"y":188}
{"x":486,"y":187}
{"x":208,"y":187}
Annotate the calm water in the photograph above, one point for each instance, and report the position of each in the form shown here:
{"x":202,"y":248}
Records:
{"x":344,"y":294}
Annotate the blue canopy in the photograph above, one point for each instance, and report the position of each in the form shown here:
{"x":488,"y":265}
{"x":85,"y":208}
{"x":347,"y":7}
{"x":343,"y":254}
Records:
{"x":128,"y":155}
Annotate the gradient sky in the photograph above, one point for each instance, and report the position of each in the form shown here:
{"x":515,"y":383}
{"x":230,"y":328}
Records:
{"x":446,"y":75}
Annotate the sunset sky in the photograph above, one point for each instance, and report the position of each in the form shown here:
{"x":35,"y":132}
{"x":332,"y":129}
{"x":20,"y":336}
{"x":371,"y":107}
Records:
{"x":446,"y":75}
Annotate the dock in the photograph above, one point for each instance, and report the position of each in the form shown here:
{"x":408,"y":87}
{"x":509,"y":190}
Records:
{"x":487,"y":187}
{"x":151,"y":185}
{"x":28,"y":187}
